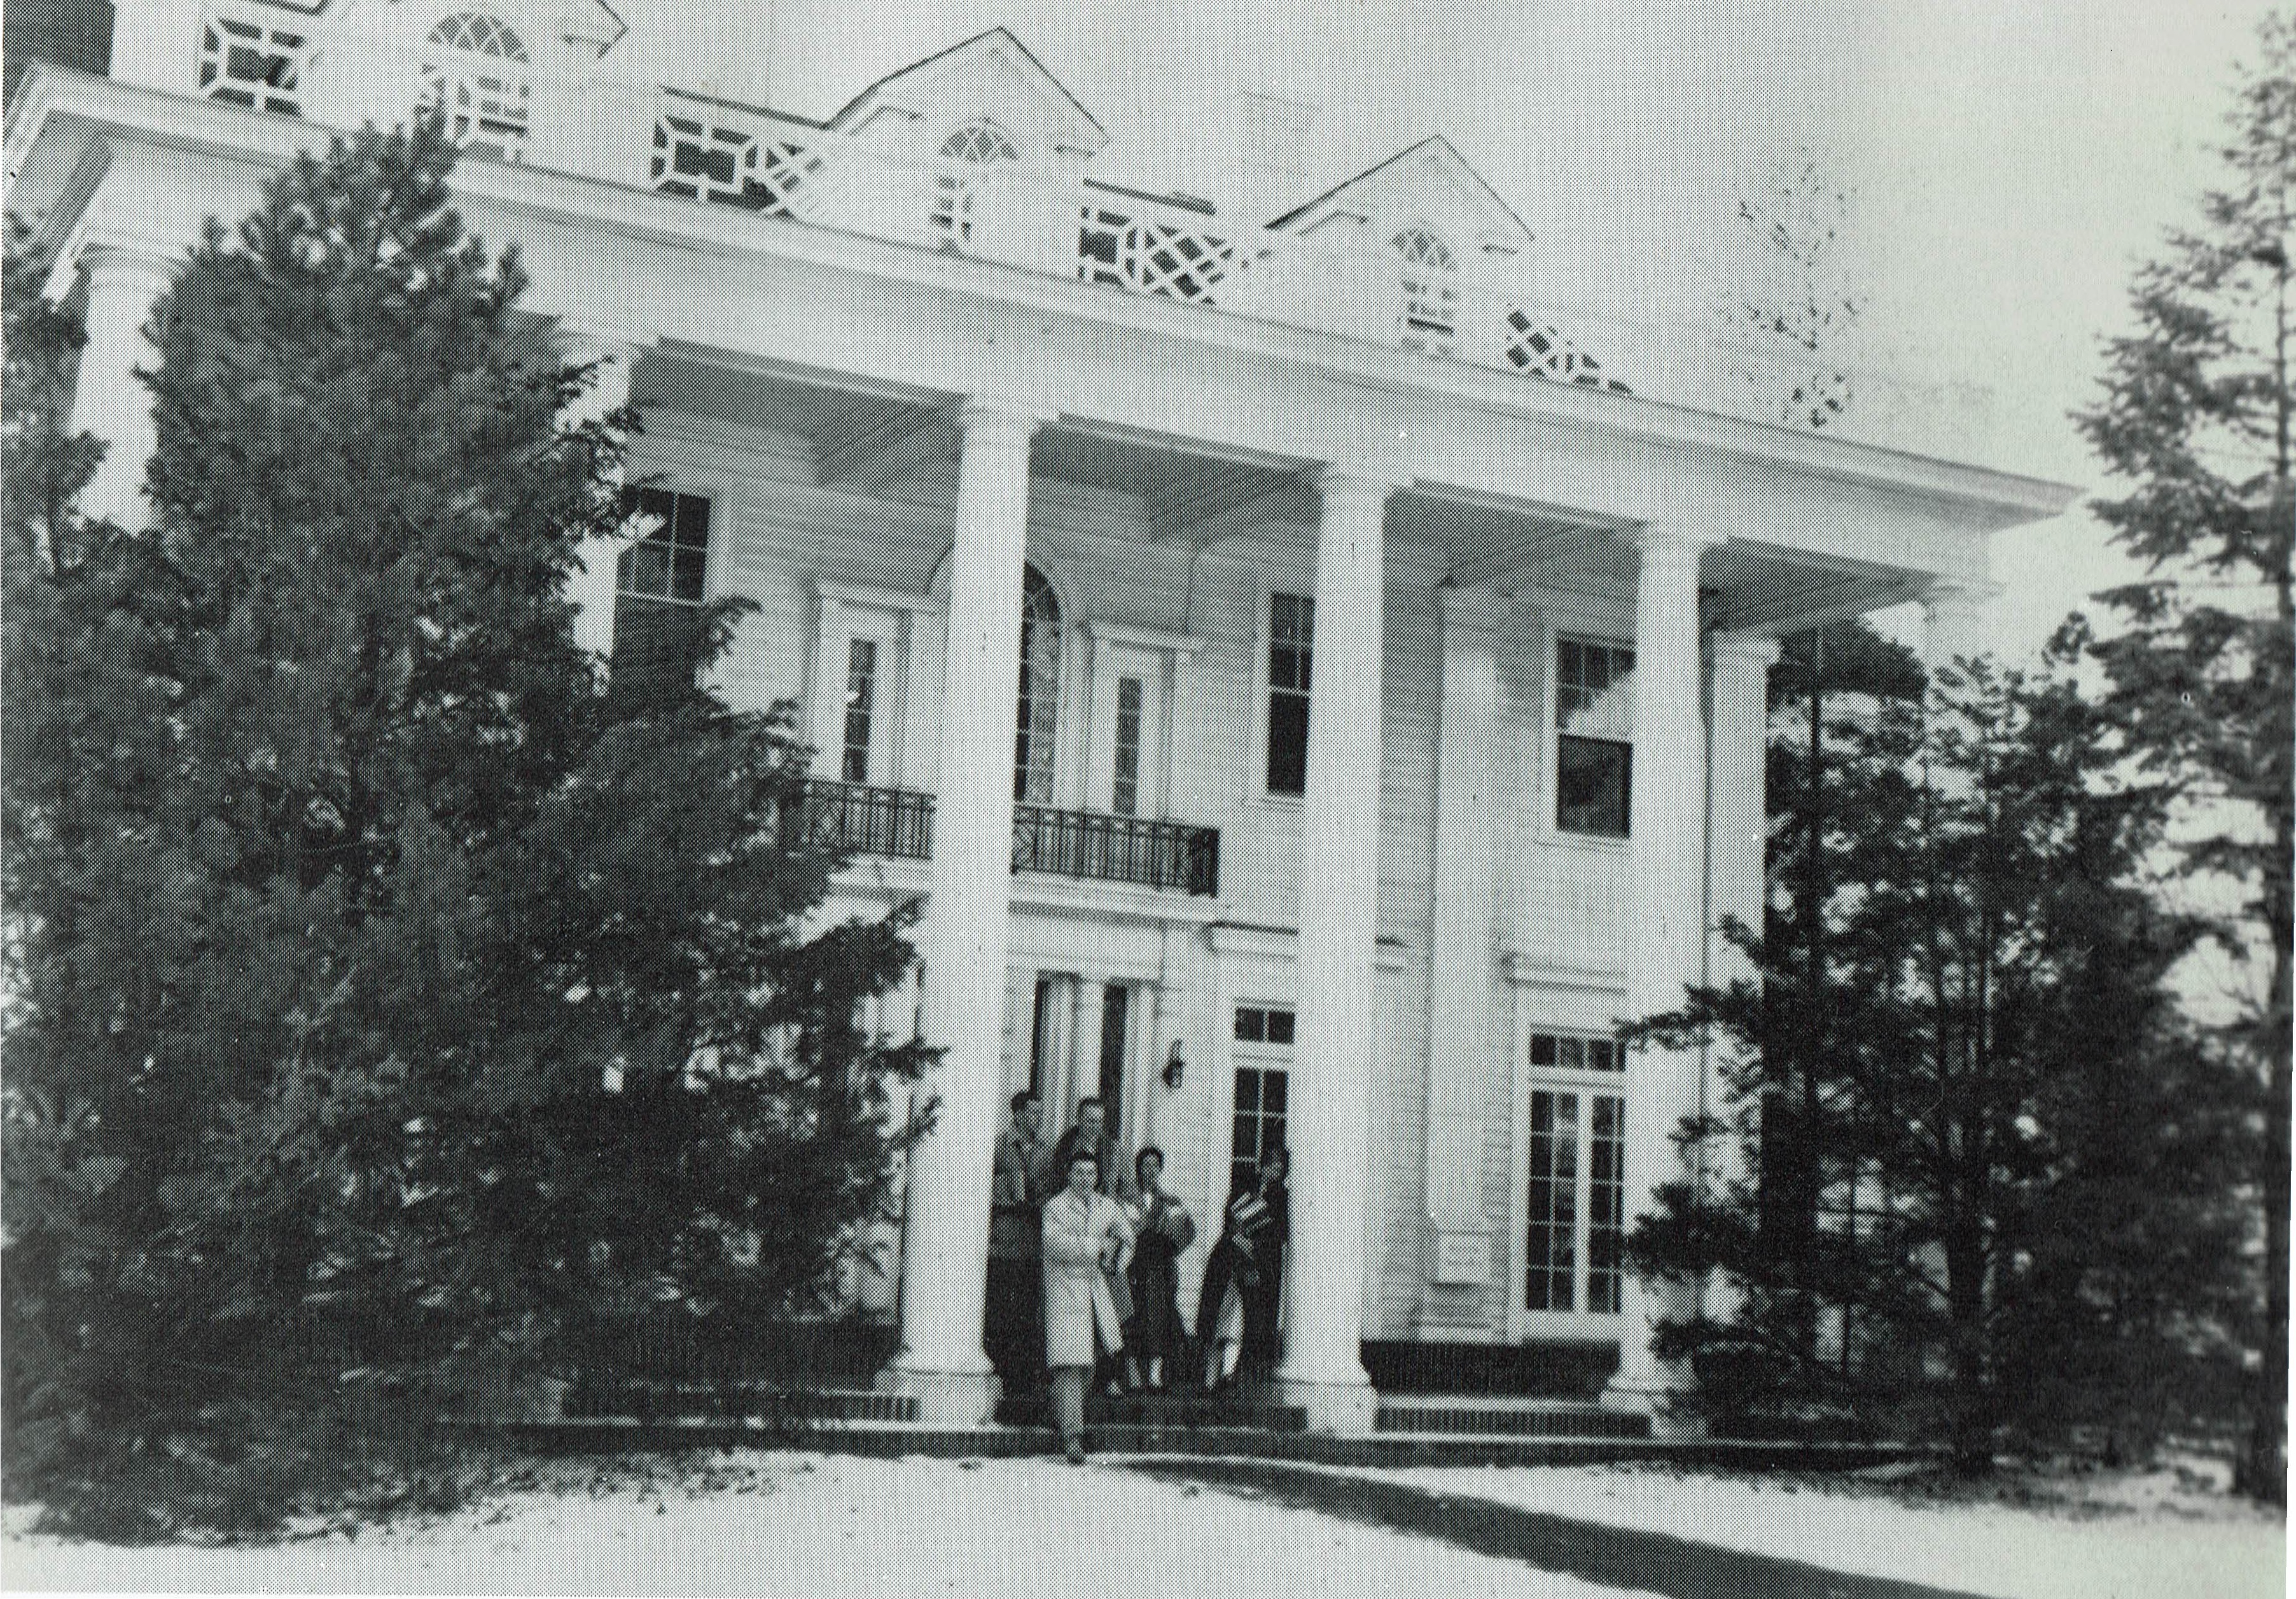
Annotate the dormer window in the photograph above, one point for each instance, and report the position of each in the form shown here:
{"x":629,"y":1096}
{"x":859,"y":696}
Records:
{"x":483,"y":111}
{"x":976,"y":143}
{"x":1430,"y":294}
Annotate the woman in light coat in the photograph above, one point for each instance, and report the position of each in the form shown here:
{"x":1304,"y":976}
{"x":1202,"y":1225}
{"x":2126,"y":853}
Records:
{"x":1086,"y":1235}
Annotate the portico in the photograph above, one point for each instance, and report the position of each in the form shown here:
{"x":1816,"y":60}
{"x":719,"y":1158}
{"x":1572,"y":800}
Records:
{"x":1313,"y":696}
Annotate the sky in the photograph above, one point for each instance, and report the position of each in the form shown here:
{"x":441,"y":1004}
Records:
{"x":2012,"y":159}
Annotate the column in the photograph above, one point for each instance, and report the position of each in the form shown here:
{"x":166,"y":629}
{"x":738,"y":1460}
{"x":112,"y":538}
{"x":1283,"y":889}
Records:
{"x":1952,"y":612}
{"x":1737,"y":836}
{"x":1084,"y":1053}
{"x":1665,"y":932}
{"x":590,"y":587}
{"x":124,"y":283}
{"x":1464,"y":1051}
{"x":1339,"y":892}
{"x":966,"y":932}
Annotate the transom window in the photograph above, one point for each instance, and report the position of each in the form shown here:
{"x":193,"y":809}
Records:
{"x":1576,"y":1052}
{"x":1431,"y":298}
{"x":1290,"y":673}
{"x":1038,"y":714}
{"x":480,"y":34}
{"x":659,"y":583}
{"x":976,"y":143}
{"x":1593,"y":748}
{"x":1263,"y":1036}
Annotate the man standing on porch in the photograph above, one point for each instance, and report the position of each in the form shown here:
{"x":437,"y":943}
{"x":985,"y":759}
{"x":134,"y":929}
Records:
{"x":1010,"y":1331}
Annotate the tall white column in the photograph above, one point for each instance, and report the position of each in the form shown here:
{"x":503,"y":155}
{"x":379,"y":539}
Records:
{"x":1665,"y":930}
{"x":1339,"y":895}
{"x":1953,"y":614}
{"x":123,"y":282}
{"x":967,"y":933}
{"x":591,"y":586}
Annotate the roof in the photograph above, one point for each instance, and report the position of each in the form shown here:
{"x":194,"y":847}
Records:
{"x":1436,"y":148}
{"x":977,"y":41}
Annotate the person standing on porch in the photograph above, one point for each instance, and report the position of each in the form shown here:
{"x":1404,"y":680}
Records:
{"x":1163,"y":1230}
{"x":1089,"y":1131}
{"x":1015,"y":1265}
{"x":1086,"y":1238}
{"x":1243,"y":1279}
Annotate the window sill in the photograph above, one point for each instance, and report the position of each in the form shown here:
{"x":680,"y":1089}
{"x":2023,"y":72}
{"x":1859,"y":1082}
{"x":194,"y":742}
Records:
{"x":1593,"y":843}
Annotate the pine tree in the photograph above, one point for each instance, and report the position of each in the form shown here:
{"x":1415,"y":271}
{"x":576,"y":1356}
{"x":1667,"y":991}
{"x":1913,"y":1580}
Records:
{"x":343,"y":888}
{"x":2195,"y":416}
{"x":1986,"y":1002}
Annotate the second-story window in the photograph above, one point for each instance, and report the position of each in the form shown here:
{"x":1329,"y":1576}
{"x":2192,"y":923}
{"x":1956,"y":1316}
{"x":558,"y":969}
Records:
{"x":1291,"y":671}
{"x":483,"y":111}
{"x":1593,"y":744}
{"x":1430,"y":294}
{"x":860,"y":707}
{"x":1038,"y":712}
{"x":659,"y":589}
{"x":1124,"y":792}
{"x":976,"y":143}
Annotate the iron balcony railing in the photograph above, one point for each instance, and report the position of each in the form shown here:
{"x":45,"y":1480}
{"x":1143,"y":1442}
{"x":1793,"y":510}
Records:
{"x":1093,"y":846}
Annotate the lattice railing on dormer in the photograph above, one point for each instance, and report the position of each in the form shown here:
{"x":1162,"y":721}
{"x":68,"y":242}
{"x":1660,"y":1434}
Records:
{"x":1130,"y":249}
{"x":253,"y":60}
{"x":1533,"y":345}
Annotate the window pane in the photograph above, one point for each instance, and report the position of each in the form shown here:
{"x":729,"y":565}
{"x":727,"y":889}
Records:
{"x":860,"y":700}
{"x":1280,"y":1024}
{"x":1287,"y":743}
{"x":657,"y":647}
{"x":1605,"y":1203}
{"x":1250,"y":1024}
{"x":1591,"y":779}
{"x":1273,"y":1087}
{"x":1542,"y":1049}
{"x":1571,"y":1054}
{"x":1125,"y":790}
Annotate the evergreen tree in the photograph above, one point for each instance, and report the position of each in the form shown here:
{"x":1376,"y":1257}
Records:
{"x":1985,"y":1026}
{"x":341,"y":890}
{"x":2196,"y":417}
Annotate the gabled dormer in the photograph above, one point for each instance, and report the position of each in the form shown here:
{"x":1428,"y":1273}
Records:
{"x":1425,"y":203}
{"x":986,"y":100}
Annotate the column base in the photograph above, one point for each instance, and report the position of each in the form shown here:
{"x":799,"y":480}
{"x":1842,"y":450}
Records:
{"x":1342,"y":1409}
{"x":1671,"y":1409}
{"x":945,"y":1398}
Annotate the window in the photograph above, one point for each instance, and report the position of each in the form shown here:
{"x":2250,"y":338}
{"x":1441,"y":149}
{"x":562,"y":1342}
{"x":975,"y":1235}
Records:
{"x":1124,"y":793}
{"x":1572,"y":1256}
{"x":659,"y":583}
{"x":860,"y":704}
{"x":1263,"y":1038}
{"x":1572,"y":1052}
{"x":1291,"y":669}
{"x":1038,"y":712}
{"x":976,"y":144}
{"x":483,"y":111}
{"x":1594,"y":749}
{"x":1431,"y":295}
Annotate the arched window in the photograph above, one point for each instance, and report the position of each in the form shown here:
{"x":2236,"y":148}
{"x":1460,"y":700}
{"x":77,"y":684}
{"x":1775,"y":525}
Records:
{"x":483,"y":111}
{"x":1040,"y":690}
{"x":1431,"y":295}
{"x":976,"y":143}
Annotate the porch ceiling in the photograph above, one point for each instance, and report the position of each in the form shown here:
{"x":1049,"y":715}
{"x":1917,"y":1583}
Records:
{"x":906,"y":446}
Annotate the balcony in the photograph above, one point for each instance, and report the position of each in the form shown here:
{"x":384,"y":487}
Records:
{"x":1089,"y":846}
{"x":713,"y":152}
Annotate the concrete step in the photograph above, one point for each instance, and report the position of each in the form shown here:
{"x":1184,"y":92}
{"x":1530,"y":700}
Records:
{"x":1170,"y":1411}
{"x":1484,"y":1415}
{"x":734,"y":1399}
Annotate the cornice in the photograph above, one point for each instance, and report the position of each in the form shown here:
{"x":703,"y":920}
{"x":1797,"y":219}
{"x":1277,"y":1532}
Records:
{"x":1995,"y":498}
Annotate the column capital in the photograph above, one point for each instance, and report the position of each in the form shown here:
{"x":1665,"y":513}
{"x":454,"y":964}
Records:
{"x":111,"y":259}
{"x":1673,"y":541}
{"x":580,"y":339}
{"x":1752,"y":650}
{"x":993,"y":421}
{"x":1959,"y":593}
{"x":1354,"y":481}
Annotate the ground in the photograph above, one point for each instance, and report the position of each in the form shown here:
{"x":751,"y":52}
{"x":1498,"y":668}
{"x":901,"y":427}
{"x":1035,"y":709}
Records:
{"x":749,"y":1522}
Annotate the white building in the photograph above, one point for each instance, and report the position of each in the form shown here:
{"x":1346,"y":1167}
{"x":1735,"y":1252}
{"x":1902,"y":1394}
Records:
{"x":1390,"y":715}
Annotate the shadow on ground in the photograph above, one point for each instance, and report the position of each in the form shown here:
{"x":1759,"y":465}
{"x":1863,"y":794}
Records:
{"x":1620,"y":1557}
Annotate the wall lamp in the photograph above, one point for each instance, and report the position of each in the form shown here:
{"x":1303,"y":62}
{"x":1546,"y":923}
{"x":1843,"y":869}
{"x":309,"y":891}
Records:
{"x":1176,"y":1067}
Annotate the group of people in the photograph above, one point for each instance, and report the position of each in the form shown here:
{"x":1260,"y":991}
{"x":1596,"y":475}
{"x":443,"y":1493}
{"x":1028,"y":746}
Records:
{"x":1084,"y":1252}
